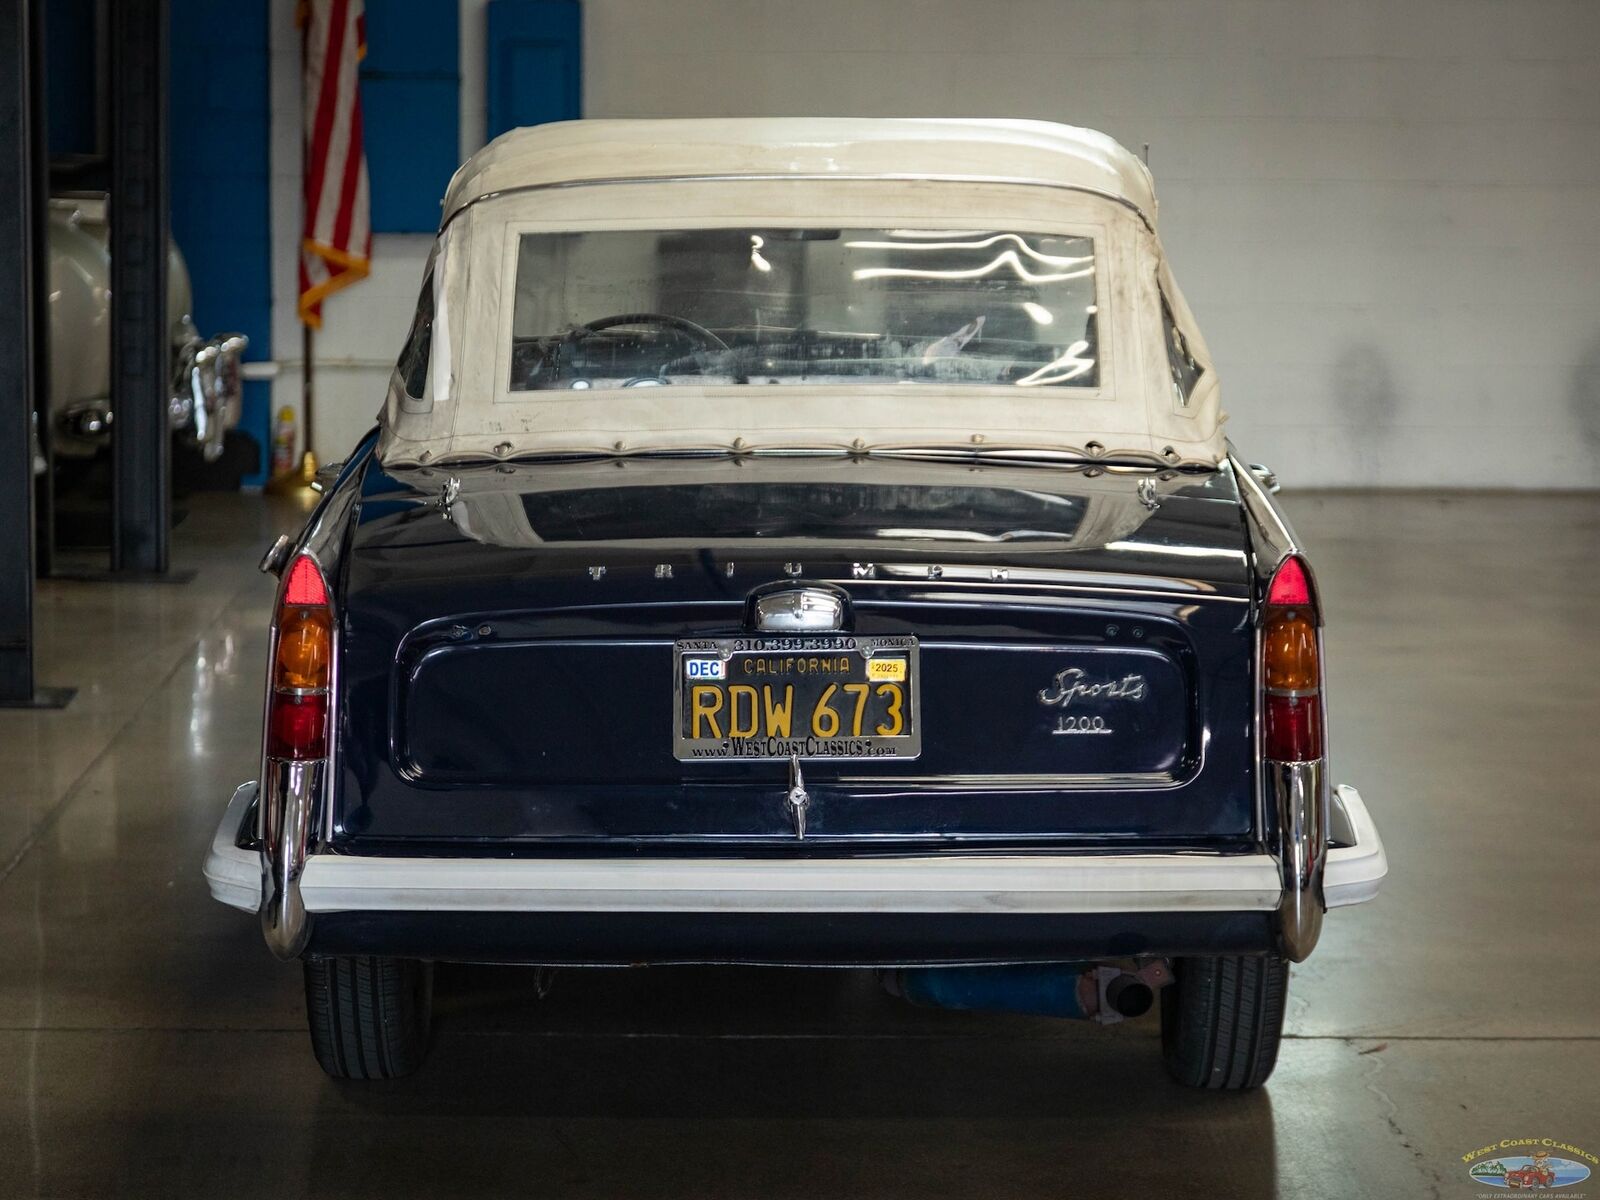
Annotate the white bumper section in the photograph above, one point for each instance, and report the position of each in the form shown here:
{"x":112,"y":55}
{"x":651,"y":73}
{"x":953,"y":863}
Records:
{"x":952,"y":883}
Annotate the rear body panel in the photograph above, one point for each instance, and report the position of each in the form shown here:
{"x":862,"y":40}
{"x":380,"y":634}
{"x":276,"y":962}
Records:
{"x":1086,"y":656}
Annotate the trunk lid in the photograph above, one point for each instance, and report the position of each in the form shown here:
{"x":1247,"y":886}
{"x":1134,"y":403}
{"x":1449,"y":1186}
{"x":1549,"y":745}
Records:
{"x":1083,"y":653}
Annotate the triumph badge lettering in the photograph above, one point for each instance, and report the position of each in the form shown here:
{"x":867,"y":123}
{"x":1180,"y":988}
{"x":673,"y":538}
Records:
{"x":1070,"y":686}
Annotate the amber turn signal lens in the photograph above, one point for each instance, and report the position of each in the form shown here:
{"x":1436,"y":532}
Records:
{"x":1289,"y":651}
{"x":305,"y":648}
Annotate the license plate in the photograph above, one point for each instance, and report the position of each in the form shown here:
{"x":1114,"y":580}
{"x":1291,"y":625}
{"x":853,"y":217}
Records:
{"x":828,"y":696}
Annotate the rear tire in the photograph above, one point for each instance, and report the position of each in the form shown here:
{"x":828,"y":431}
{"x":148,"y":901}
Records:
{"x":369,"y":1016}
{"x":1221,"y":1021}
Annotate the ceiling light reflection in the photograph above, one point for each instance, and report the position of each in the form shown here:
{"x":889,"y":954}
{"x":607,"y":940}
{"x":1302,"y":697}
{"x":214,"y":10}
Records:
{"x":1070,"y":365}
{"x":1017,"y":241}
{"x":1007,"y":258}
{"x":937,"y":233}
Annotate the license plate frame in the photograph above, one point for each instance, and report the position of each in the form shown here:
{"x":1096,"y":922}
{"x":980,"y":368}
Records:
{"x":803,"y":743}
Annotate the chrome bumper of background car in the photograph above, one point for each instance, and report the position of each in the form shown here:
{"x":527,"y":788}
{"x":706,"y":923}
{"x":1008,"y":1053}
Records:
{"x":1009,"y":883}
{"x":206,"y":398}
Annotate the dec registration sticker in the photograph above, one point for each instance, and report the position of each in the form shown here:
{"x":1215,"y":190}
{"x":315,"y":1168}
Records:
{"x":705,"y":668}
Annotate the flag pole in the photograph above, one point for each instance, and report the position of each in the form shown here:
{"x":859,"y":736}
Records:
{"x":307,"y":474}
{"x":336,"y":243}
{"x":308,"y":460}
{"x":300,"y":478}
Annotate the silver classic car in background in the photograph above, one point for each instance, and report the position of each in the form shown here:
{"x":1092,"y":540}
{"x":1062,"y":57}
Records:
{"x":812,"y":543}
{"x":206,"y":393}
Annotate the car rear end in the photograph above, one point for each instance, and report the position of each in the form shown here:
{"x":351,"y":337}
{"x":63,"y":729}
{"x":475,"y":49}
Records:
{"x":1070,"y":719}
{"x":802,"y":555}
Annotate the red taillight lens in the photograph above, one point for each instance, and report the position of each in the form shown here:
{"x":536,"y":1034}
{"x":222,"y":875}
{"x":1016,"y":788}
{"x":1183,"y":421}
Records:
{"x":1290,"y":584}
{"x":302,"y":666}
{"x":1291,"y":666}
{"x":1293,"y":728}
{"x":304,"y":585}
{"x":297,"y":727}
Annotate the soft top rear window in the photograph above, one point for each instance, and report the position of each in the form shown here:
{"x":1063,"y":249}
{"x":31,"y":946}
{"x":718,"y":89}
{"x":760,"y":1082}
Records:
{"x":649,"y":308}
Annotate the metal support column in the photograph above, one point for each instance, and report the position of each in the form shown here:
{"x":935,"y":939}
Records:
{"x":44,"y":492}
{"x":140,"y":349}
{"x":22,"y":195}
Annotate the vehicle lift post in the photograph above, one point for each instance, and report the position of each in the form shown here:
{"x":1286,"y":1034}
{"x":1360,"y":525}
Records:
{"x":140,"y":341}
{"x":23,"y":384}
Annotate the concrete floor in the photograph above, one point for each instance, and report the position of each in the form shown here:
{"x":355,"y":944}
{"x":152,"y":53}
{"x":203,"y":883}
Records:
{"x":149,"y":1045}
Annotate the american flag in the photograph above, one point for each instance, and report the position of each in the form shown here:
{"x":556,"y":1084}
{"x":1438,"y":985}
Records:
{"x":337,"y":243}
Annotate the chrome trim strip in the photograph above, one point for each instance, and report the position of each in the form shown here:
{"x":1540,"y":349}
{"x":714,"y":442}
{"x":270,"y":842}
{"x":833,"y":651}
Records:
{"x":768,"y":177}
{"x":1295,"y":794}
{"x":1271,"y":539}
{"x":1049,"y":592}
{"x":1133,"y":780}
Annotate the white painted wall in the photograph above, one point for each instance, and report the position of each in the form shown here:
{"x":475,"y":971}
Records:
{"x":1386,"y":215}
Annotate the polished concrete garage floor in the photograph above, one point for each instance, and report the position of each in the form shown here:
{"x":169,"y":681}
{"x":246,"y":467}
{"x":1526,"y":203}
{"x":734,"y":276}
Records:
{"x":149,"y":1045}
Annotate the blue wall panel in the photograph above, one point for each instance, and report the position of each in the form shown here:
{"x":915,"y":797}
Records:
{"x":411,"y":110}
{"x":535,"y":68}
{"x":72,"y":92}
{"x":221,"y":125}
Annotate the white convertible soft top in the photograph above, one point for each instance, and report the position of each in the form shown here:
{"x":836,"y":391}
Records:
{"x":1037,"y":152}
{"x":1155,"y":400}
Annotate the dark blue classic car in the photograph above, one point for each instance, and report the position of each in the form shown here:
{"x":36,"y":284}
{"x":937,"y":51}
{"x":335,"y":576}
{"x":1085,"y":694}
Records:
{"x":806,"y":543}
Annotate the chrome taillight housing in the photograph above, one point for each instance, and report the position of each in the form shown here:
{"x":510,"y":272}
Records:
{"x":1294,"y":748}
{"x":302,"y":667}
{"x":297,"y":743}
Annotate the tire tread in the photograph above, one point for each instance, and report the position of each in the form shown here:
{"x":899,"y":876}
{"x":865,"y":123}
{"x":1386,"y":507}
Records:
{"x":1222,"y":1021}
{"x":368,"y":1016}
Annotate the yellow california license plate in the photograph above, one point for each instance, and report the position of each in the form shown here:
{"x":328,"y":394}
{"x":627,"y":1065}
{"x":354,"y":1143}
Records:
{"x":826,"y":696}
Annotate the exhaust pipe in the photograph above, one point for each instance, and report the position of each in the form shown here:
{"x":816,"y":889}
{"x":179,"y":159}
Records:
{"x":1129,"y":996}
{"x":1076,"y":991}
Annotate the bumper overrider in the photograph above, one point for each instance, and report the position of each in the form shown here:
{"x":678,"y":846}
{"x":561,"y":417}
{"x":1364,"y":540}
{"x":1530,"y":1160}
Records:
{"x":950,"y":906}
